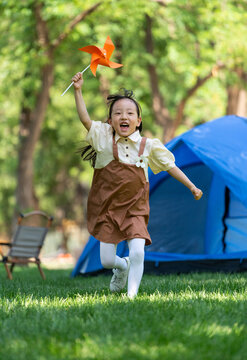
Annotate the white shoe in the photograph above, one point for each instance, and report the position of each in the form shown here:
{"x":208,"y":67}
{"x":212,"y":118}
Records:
{"x":119,"y":278}
{"x":131,"y":296}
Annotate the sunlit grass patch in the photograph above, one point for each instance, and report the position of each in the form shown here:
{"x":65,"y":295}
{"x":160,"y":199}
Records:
{"x":200,"y":316}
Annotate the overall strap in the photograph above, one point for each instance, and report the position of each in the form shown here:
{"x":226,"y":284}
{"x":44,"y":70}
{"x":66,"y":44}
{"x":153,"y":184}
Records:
{"x":114,"y":148}
{"x":142,"y":146}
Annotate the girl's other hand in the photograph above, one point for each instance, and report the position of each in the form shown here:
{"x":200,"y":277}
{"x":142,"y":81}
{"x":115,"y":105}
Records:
{"x":197,"y":193}
{"x":78,"y":80}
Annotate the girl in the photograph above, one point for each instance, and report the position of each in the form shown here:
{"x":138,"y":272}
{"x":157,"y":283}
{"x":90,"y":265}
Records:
{"x":118,"y":203}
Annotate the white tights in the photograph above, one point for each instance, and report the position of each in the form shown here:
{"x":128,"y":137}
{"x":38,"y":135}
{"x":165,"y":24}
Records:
{"x":110,"y":260}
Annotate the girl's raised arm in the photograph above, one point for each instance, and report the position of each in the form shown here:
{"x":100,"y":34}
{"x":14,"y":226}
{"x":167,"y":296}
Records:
{"x":80,"y":104}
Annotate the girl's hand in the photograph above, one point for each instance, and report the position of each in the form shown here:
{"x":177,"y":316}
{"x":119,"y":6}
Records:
{"x":197,"y":193}
{"x":78,"y":80}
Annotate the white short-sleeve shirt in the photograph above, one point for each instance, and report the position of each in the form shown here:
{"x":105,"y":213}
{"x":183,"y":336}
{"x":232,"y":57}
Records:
{"x":157,"y":156}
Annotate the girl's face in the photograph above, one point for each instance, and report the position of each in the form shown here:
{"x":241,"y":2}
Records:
{"x":124,"y":118}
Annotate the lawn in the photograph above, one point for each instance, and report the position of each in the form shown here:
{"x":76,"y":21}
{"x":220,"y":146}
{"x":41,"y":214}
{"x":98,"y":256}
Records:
{"x":195,"y":316}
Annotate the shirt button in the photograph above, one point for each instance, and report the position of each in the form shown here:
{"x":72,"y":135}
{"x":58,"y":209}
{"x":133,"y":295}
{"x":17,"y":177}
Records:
{"x":127,"y":155}
{"x":127,"y":147}
{"x":126,"y":139}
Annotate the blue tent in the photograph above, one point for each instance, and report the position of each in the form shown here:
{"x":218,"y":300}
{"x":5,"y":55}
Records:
{"x":205,"y":235}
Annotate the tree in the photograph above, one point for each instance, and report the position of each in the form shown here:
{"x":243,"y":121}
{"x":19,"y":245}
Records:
{"x":31,"y":119}
{"x":162,"y":114}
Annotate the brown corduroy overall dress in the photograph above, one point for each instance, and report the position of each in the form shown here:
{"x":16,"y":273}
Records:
{"x":118,"y":202}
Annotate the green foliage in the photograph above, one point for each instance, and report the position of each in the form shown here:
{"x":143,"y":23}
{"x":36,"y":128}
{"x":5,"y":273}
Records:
{"x":189,"y":39}
{"x":174,"y":317}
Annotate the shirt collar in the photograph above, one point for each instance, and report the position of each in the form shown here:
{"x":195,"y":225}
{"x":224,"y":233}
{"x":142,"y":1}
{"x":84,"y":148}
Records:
{"x":135,"y":136}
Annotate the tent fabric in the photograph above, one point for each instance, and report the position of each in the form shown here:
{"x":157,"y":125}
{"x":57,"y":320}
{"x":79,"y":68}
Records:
{"x":221,"y":144}
{"x":214,"y":229}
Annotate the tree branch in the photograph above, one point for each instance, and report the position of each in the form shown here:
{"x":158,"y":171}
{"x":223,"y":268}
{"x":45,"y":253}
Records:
{"x":200,"y":82}
{"x":73,"y":23}
{"x":161,"y":2}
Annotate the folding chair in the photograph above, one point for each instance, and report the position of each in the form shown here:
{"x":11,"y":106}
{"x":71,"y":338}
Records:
{"x":27,"y":241}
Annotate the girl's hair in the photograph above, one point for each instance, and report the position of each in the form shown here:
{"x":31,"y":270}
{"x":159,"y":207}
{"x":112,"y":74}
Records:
{"x":87,"y":152}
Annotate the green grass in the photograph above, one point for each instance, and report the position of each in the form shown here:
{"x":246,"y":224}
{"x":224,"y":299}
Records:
{"x":196,"y":316}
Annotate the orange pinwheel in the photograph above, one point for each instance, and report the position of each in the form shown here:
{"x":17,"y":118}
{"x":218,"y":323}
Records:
{"x":101,"y":56}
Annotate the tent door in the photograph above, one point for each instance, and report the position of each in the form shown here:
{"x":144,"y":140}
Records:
{"x":235,"y":224}
{"x":226,"y":213}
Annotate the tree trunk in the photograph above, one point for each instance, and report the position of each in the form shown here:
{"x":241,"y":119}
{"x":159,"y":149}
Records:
{"x":242,"y":103}
{"x":30,"y":124}
{"x":104,"y":87}
{"x":161,"y":113}
{"x":233,"y":93}
{"x":237,"y":96}
{"x":236,"y":101}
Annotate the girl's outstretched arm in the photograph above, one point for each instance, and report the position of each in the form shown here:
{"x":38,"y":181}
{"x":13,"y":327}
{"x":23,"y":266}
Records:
{"x":80,"y":104}
{"x":180,"y":176}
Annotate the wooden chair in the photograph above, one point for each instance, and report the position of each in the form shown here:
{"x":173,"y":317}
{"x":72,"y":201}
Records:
{"x":27,"y":241}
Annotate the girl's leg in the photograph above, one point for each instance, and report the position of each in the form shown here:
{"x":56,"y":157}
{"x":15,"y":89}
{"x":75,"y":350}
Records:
{"x":136,"y":256}
{"x":109,"y":259}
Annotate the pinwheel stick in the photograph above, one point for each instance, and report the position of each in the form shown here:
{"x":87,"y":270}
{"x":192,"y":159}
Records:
{"x":73,"y":81}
